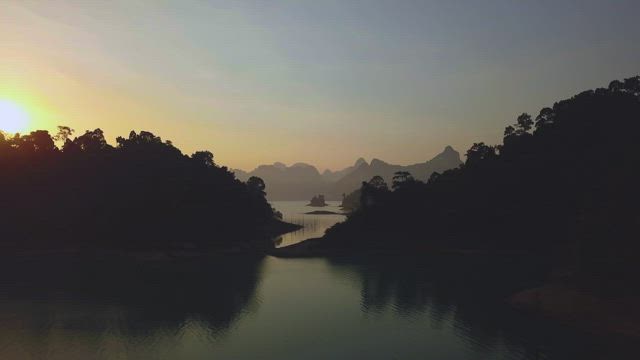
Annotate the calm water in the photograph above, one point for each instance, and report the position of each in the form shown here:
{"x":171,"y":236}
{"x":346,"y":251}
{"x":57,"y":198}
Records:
{"x":268,"y":308}
{"x":314,"y":225}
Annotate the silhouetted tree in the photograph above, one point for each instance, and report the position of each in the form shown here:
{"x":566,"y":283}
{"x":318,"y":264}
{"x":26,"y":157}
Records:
{"x":400,"y":178}
{"x":92,"y":141}
{"x":351,"y":202}
{"x":256,"y":184}
{"x":38,"y":141}
{"x":64,"y":133}
{"x":545,"y":119}
{"x":509,"y":131}
{"x":524,"y":124}
{"x":479,"y":152}
{"x":378,"y":183}
{"x":203,"y":157}
{"x":373,"y":192}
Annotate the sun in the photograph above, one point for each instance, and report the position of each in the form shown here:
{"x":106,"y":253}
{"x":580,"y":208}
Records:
{"x":13,"y":118}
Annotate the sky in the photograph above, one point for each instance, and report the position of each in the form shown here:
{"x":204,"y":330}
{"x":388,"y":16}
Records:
{"x":322,"y":82}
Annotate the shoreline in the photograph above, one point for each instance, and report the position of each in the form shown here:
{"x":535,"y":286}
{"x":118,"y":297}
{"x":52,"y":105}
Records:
{"x":324,"y":212}
{"x":581,"y":309}
{"x":260,"y":244}
{"x":316,"y":247}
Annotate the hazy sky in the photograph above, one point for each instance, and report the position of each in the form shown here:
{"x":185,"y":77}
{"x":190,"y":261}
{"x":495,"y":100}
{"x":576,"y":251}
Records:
{"x":318,"y":81}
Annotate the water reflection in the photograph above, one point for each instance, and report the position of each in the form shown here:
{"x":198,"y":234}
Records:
{"x":268,"y":308}
{"x":79,"y":309}
{"x":466,"y":296}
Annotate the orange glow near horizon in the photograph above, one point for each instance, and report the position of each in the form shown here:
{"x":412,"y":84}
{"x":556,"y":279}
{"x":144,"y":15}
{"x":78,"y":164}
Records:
{"x":256,"y":86}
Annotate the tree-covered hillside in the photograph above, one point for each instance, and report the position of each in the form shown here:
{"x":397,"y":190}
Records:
{"x":563,"y":183}
{"x":141,"y":193}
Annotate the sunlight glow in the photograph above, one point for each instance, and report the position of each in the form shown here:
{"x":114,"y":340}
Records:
{"x":13,"y":118}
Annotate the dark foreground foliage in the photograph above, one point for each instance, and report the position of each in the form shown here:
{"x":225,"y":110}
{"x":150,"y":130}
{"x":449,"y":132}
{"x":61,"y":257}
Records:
{"x":141,"y":194}
{"x":564,"y":184}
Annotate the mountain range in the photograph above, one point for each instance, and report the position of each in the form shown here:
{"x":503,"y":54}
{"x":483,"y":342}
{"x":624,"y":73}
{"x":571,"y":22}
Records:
{"x":301,"y":181}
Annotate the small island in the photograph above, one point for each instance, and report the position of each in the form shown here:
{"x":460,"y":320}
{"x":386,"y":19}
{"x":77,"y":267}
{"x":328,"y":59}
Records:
{"x":317,"y":201}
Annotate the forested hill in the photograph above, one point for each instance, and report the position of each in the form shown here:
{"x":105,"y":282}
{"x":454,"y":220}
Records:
{"x":142,"y":193}
{"x":563,"y":183}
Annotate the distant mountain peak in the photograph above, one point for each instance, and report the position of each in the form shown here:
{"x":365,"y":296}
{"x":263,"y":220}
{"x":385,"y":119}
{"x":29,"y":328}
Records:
{"x":377,"y":162}
{"x":450,"y":152}
{"x":301,"y":180}
{"x":448,"y":155}
{"x":302,"y":165}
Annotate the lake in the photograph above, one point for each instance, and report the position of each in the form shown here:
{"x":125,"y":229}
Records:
{"x":313,"y":225}
{"x":245,"y":307}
